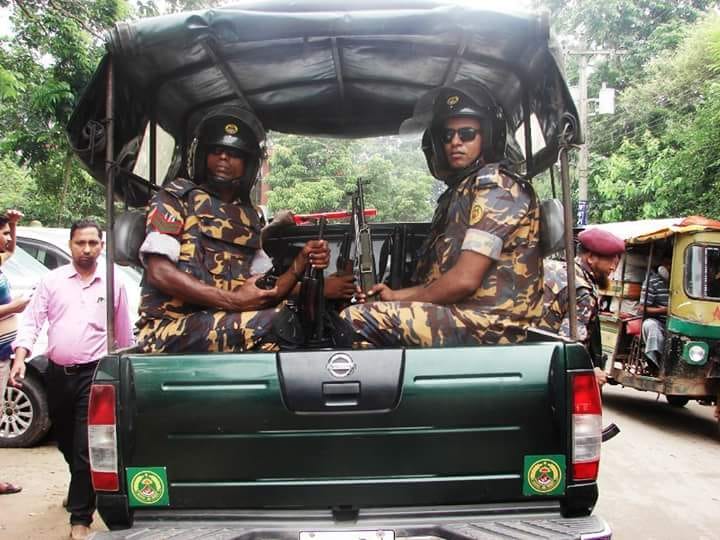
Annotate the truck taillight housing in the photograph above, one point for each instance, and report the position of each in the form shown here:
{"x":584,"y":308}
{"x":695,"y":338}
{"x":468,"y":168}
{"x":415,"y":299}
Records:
{"x":102,"y":438}
{"x":586,"y":427}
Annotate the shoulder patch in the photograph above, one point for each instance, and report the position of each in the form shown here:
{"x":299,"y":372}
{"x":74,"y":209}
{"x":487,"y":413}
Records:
{"x":164,"y":223}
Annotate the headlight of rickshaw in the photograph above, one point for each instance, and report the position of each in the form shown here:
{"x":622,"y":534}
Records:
{"x":695,"y":353}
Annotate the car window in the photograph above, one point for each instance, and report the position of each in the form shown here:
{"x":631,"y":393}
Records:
{"x":48,"y":256}
{"x":23,"y":271}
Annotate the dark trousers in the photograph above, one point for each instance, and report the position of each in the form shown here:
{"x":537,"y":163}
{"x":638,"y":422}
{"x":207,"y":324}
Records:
{"x":68,"y":395}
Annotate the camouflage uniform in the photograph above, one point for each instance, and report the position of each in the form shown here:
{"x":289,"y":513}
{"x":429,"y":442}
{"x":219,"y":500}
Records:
{"x":555,"y":298}
{"x":218,"y":242}
{"x":490,"y":213}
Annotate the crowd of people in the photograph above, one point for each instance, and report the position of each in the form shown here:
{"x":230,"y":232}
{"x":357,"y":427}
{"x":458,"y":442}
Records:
{"x":479,"y":279}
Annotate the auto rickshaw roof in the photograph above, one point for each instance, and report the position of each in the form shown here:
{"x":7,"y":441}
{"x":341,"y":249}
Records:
{"x":347,"y":69}
{"x":650,"y":230}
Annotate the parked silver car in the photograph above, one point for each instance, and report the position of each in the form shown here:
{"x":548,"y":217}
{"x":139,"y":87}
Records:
{"x":25,"y":420}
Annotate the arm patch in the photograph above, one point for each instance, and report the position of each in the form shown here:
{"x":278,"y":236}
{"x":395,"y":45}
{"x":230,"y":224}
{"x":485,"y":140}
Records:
{"x":161,"y":222}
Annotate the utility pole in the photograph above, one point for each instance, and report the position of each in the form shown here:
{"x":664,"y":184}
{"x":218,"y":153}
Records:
{"x":584,"y":60}
{"x":582,"y":213}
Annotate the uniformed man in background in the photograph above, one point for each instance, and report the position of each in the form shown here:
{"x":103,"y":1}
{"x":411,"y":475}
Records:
{"x":598,"y":255}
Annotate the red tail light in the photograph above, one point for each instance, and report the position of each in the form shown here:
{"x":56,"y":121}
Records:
{"x":102,"y":438}
{"x":587,"y":427}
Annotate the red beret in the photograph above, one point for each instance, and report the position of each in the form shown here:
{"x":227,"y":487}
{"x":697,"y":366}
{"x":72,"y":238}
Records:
{"x":601,"y":242}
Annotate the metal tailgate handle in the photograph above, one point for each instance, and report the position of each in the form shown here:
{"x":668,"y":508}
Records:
{"x":346,"y":394}
{"x":333,"y":381}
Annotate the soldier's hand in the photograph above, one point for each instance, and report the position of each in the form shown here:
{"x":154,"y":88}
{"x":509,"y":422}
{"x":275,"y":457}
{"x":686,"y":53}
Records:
{"x":381,"y":292}
{"x":340,"y":287}
{"x":600,"y":376}
{"x":316,"y":253}
{"x":250,"y":297}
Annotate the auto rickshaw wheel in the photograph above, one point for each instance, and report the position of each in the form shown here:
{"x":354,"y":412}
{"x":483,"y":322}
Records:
{"x":677,"y":401}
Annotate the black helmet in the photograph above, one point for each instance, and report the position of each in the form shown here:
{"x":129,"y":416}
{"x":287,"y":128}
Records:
{"x":463,"y":98}
{"x":232,"y":127}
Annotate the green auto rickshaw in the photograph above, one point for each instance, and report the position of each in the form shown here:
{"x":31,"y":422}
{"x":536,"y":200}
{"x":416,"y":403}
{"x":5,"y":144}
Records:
{"x":689,"y":363}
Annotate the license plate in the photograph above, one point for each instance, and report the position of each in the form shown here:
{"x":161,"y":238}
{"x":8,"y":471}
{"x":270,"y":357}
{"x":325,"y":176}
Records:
{"x":348,"y":535}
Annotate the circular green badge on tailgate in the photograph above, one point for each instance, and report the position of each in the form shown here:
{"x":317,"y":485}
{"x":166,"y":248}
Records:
{"x":147,"y":487}
{"x":544,"y":475}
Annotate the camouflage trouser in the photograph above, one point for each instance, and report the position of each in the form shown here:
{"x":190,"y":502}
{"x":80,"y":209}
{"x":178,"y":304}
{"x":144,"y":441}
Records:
{"x":418,"y":324}
{"x":208,"y":331}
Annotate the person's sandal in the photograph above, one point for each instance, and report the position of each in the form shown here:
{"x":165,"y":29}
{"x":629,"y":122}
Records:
{"x":6,"y":488}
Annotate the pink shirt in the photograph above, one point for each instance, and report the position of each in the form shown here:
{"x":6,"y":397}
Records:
{"x":75,"y":312}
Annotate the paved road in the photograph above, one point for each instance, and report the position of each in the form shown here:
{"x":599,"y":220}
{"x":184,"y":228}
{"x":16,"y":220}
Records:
{"x":660,"y":477}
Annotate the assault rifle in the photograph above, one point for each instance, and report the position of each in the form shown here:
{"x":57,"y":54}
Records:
{"x":364,"y":265}
{"x":312,"y":298}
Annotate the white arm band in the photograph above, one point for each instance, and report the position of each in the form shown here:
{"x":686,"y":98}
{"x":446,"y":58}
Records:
{"x":160,"y":244}
{"x":484,"y":243}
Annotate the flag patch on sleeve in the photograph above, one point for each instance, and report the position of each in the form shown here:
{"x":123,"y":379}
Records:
{"x":164,"y":223}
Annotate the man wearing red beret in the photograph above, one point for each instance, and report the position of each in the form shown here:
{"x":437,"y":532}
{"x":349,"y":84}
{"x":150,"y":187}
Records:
{"x":598,"y":255}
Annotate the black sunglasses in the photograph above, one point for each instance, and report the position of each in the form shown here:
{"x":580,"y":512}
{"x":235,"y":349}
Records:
{"x":230,"y":152}
{"x":466,"y":134}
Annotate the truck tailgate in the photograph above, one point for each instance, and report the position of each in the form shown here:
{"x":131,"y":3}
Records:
{"x":234,"y":430}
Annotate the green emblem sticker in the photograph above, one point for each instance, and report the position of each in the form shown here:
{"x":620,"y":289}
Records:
{"x":147,"y":486}
{"x":544,"y":475}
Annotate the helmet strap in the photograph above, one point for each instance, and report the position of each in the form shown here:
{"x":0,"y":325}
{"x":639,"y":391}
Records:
{"x":238,"y":187}
{"x":453,"y":178}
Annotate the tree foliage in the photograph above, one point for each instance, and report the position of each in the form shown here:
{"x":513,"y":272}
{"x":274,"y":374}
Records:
{"x":660,"y":155}
{"x":316,"y":175}
{"x":47,"y":63}
{"x":638,"y":29}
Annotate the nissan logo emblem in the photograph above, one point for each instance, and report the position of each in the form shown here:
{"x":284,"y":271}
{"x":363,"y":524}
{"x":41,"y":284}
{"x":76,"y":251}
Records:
{"x":341,"y":365}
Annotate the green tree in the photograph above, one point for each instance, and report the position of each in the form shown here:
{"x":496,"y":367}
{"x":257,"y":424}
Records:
{"x":668,"y":155}
{"x":640,"y":29}
{"x":313,"y":175}
{"x":54,"y":50}
{"x":51,"y":56}
{"x":663,"y":71}
{"x":17,"y":184}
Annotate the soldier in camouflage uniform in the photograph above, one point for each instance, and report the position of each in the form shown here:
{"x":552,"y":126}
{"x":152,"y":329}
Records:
{"x":599,"y":254}
{"x":202,"y":236}
{"x":479,"y":276}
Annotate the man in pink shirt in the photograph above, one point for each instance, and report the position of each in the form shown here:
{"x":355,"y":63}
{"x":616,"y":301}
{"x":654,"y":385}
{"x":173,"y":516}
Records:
{"x":72,"y":299}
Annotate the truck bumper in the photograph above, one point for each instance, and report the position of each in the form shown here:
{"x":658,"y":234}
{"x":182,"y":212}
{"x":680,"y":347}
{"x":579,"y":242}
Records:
{"x":460,"y":523}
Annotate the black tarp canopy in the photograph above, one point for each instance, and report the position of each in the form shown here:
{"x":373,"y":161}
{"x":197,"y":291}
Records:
{"x":350,"y":69}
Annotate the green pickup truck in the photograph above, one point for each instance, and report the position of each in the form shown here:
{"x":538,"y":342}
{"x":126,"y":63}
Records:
{"x":319,"y":443}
